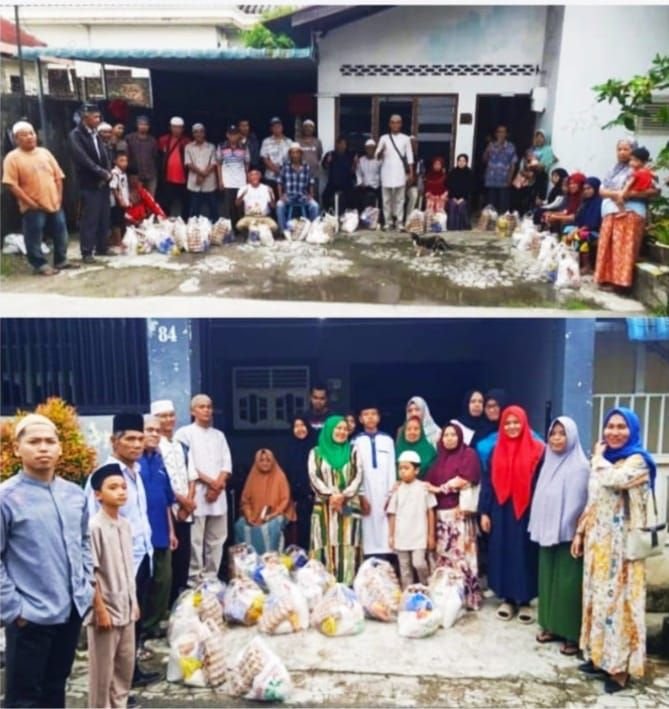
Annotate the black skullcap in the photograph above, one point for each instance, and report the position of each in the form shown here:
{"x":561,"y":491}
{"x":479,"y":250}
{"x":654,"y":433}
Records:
{"x":232,"y":128}
{"x":101,"y":474}
{"x":369,"y":404}
{"x":90,"y":107}
{"x":128,"y":422}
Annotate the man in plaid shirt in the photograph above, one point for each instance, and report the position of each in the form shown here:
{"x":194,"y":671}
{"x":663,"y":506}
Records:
{"x":296,"y":187}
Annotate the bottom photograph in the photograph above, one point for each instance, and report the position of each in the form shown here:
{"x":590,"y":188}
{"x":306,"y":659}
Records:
{"x":336,"y":512}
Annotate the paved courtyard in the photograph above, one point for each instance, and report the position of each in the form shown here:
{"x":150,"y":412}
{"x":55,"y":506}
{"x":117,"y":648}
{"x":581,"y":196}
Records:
{"x":480,"y":662}
{"x":478,"y":270}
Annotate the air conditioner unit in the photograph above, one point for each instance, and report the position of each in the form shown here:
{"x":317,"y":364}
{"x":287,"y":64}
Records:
{"x":657,"y":120}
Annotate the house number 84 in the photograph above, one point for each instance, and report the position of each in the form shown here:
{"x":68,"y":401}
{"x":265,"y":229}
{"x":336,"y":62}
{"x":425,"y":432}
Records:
{"x":167,"y":334}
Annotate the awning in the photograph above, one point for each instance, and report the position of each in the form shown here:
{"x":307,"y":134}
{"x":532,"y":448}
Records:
{"x":236,"y":62}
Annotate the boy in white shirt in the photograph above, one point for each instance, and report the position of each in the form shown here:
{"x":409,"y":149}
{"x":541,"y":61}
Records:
{"x":397,"y":166}
{"x":119,"y":193}
{"x":368,"y":177}
{"x":411,"y":520}
{"x":257,"y":200}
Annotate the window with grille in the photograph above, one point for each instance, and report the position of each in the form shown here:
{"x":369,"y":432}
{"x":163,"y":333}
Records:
{"x":100,"y":366}
{"x":267,"y":398}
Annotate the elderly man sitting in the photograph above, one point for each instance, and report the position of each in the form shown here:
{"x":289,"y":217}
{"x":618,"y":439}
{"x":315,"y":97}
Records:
{"x":296,"y":188}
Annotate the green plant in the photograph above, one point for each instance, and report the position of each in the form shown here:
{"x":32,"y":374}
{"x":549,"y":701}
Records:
{"x":633,"y":97}
{"x":77,"y":459}
{"x":260,"y":37}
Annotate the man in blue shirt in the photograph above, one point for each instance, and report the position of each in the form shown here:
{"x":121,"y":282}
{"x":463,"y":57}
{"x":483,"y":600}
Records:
{"x":500,"y":159}
{"x":159,"y":501}
{"x":296,"y":187}
{"x":46,"y":571}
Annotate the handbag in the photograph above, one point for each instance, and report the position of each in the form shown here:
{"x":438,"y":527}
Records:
{"x":469,"y":498}
{"x":644,"y":542}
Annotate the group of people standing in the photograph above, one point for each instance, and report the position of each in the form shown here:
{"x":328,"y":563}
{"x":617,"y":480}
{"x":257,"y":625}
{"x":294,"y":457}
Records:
{"x":546,"y":521}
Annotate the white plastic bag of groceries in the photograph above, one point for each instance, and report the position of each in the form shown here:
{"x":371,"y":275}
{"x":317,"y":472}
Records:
{"x":448,"y":595}
{"x":350,"y":221}
{"x":378,"y":589}
{"x":568,"y":270}
{"x":418,"y":616}
{"x":258,"y":674}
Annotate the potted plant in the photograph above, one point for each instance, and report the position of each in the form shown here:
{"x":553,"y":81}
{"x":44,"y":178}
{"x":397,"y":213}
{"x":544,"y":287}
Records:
{"x":77,"y":459}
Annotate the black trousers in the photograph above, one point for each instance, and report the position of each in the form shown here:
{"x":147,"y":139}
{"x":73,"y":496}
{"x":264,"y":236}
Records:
{"x":175,"y":200}
{"x":500,"y":198}
{"x":39,"y":661}
{"x":94,"y":221}
{"x":143,"y":585}
{"x":180,"y":560}
{"x":230,"y":210}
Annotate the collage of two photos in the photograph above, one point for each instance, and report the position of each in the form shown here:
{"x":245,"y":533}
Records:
{"x":335,"y":355}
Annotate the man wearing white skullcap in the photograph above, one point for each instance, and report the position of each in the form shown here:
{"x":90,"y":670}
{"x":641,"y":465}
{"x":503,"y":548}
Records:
{"x":200,"y":161}
{"x":368,"y":177}
{"x":312,"y":150}
{"x":35,"y":178}
{"x":172,"y":146}
{"x":174,"y":457}
{"x":397,"y":168}
{"x":46,"y":571}
{"x":296,"y":188}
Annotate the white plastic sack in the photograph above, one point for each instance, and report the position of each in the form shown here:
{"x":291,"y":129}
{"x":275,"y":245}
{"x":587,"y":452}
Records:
{"x":350,"y":221}
{"x":220,"y":230}
{"x":415,"y":223}
{"x":317,"y":233}
{"x":243,"y":601}
{"x":436,"y":222}
{"x":378,"y":589}
{"x":259,"y":674}
{"x":214,"y":655}
{"x":15,"y":244}
{"x":338,"y":613}
{"x":548,"y":253}
{"x":568,"y":270}
{"x":198,"y":233}
{"x":488,"y":218}
{"x":330,"y":224}
{"x":418,"y":616}
{"x":243,"y":560}
{"x":186,"y":659}
{"x":313,"y":580}
{"x":180,"y":233}
{"x":130,"y":241}
{"x":285,"y":609}
{"x":448,"y":595}
{"x":299,"y":228}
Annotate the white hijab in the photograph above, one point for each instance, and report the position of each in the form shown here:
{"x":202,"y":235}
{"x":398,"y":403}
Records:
{"x":432,"y":431}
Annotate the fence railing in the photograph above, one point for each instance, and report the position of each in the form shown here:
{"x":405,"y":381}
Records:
{"x":651,"y":408}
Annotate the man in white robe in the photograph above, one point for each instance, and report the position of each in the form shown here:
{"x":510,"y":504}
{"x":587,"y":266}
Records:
{"x":376,"y":457}
{"x":209,"y":467}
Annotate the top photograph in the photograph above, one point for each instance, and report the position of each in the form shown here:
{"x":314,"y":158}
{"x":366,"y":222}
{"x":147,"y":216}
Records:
{"x":498,"y":160}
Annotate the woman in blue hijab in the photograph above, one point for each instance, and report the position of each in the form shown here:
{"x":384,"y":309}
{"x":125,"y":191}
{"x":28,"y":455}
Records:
{"x":613,"y":628}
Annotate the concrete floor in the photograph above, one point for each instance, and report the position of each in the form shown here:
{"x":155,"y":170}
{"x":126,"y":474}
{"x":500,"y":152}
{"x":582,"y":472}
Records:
{"x":480,"y":270}
{"x":480,"y":662}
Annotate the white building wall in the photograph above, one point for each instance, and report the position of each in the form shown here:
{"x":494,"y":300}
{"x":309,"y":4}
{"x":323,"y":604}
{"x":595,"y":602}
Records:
{"x":600,"y":43}
{"x":434,"y":35}
{"x":10,"y":67}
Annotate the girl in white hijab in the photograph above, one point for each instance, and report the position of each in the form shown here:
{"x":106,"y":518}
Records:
{"x":417,"y":406}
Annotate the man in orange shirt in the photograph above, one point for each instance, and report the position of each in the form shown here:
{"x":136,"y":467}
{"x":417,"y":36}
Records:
{"x":36,"y":180}
{"x":172,"y":146}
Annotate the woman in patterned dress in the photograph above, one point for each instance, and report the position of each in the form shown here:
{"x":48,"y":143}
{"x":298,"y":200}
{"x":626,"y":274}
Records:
{"x":336,"y":518}
{"x":613,"y":630}
{"x":457,"y":466}
{"x":623,"y":224}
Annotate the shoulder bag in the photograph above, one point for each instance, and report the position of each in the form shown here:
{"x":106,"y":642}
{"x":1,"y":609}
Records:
{"x":403,"y":158}
{"x":644,"y":542}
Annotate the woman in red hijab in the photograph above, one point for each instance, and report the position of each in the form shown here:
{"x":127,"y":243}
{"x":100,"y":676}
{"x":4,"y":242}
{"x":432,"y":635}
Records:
{"x":435,"y":186}
{"x":507,"y":486}
{"x":571,"y":203}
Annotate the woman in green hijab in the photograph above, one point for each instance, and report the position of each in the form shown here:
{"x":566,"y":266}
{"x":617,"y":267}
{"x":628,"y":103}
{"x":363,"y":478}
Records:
{"x":411,"y":437}
{"x":336,"y":519}
{"x":543,"y":152}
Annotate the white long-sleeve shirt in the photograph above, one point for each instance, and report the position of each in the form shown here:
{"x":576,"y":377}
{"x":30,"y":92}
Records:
{"x":376,"y":458}
{"x":393,"y":173}
{"x":368,"y":172}
{"x":208,"y":453}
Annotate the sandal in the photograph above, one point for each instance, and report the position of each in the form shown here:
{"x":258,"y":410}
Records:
{"x":526,"y":615}
{"x":569,"y":649}
{"x":506,"y":611}
{"x":545,"y":637}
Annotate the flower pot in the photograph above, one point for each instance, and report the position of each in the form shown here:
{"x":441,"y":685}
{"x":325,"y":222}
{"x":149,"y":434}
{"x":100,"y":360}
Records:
{"x":659,"y":253}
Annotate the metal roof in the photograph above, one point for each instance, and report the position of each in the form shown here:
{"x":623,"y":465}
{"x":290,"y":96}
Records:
{"x":240,"y":62}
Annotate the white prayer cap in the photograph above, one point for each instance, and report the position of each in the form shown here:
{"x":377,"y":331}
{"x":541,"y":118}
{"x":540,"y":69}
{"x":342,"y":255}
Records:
{"x":396,"y":117}
{"x":308,"y":122}
{"x":21,"y":125}
{"x":32,"y":420}
{"x":162,"y":406}
{"x":370,"y":141}
{"x":409,"y":457}
{"x":295,"y":146}
{"x":104,"y":126}
{"x":176,"y":121}
{"x":197,"y":126}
